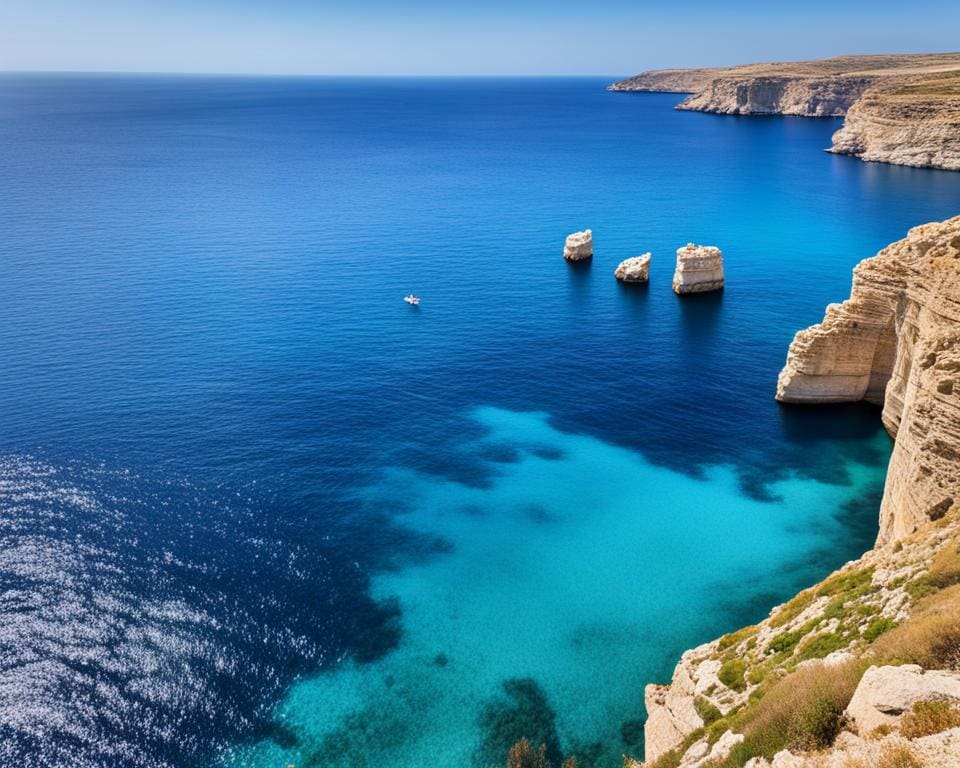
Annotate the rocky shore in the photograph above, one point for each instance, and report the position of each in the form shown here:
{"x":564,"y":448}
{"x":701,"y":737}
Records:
{"x":862,"y":669}
{"x":901,"y":109}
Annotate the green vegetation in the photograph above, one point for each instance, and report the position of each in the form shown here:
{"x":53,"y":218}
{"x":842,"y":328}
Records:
{"x":836,"y":609}
{"x":877,"y":627}
{"x":735,"y":638}
{"x":731,"y":674}
{"x":708,"y":713}
{"x":928,"y":717}
{"x":850,"y":584}
{"x":758,"y":674}
{"x":785,"y":642}
{"x":791,"y":610}
{"x":823,"y":645}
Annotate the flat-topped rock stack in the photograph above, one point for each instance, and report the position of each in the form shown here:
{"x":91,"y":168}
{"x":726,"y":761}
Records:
{"x":699,"y":269}
{"x":634,"y":270}
{"x":579,"y":246}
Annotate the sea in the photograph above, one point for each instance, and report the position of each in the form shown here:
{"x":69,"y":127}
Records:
{"x":256,"y":511}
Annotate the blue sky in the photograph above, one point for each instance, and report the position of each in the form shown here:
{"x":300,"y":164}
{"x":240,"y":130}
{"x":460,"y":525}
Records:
{"x":609,"y":37}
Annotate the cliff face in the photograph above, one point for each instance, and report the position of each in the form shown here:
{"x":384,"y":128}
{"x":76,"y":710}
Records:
{"x":896,"y":342}
{"x":804,"y":96}
{"x":915,"y":123}
{"x":902,"y":109}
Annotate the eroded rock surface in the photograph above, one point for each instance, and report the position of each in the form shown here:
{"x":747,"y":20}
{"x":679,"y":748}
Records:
{"x":579,"y":246}
{"x":780,"y":95}
{"x":699,"y":269}
{"x":915,"y":123}
{"x":896,"y":342}
{"x":634,"y":270}
{"x":885,"y":693}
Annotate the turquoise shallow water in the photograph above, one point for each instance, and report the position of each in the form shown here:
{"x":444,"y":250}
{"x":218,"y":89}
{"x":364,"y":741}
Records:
{"x":575,"y":578}
{"x":255,"y":510}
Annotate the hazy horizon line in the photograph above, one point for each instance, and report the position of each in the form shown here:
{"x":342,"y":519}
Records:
{"x":398,"y":75}
{"x":440,"y":75}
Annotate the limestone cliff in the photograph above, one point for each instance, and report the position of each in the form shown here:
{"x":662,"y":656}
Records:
{"x":902,"y":109}
{"x":773,"y":95}
{"x":914,"y":123}
{"x":896,"y":342}
{"x":817,"y":683}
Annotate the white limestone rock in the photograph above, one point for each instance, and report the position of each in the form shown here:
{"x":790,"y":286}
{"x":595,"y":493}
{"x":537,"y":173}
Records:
{"x":699,"y":269}
{"x":724,"y":746}
{"x":696,"y":755}
{"x":579,"y":246}
{"x":634,"y":270}
{"x":671,"y":713}
{"x":786,"y":759}
{"x":885,"y":693}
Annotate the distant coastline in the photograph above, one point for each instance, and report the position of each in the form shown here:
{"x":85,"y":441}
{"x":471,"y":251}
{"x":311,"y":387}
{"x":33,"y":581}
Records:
{"x":902,"y":109}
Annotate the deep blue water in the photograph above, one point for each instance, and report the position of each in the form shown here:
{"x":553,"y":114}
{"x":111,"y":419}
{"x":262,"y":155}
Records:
{"x":256,"y":510}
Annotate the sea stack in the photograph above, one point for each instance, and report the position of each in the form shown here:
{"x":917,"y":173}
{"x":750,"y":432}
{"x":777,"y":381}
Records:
{"x":634,"y":270}
{"x":699,"y":269}
{"x":579,"y":246}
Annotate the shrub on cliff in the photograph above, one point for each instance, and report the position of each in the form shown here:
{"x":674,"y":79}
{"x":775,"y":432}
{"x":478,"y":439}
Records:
{"x":522,"y":755}
{"x":929,"y":717}
{"x":803,"y":712}
{"x":731,"y":674}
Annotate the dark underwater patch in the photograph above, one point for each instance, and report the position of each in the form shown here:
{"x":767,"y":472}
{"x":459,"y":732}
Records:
{"x":367,"y":737}
{"x":499,"y":453}
{"x":548,"y":452}
{"x":539,"y":514}
{"x":631,"y":732}
{"x":520,"y":711}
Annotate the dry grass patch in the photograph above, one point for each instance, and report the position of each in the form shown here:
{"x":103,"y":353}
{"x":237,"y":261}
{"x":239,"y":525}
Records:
{"x":930,"y":638}
{"x":944,"y":572}
{"x":898,"y":756}
{"x":929,"y":717}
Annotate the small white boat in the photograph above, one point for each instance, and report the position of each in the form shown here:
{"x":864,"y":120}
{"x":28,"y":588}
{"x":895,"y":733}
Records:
{"x":412,"y":300}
